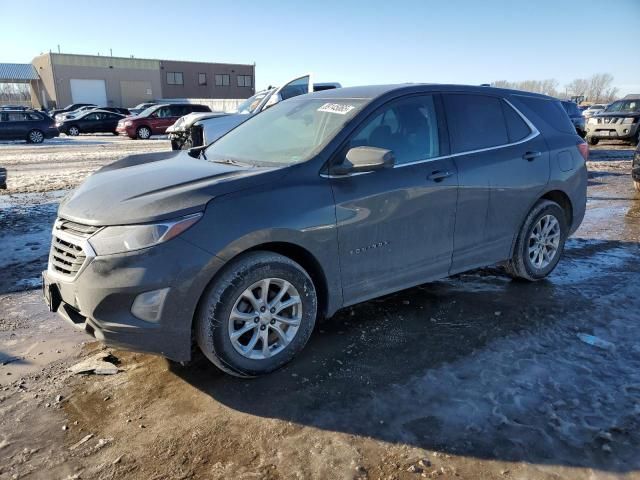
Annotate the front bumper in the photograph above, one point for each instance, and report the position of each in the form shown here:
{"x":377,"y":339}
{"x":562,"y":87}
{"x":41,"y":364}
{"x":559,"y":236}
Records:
{"x":128,"y":131}
{"x":99,"y":299}
{"x":613,"y":131}
{"x":51,"y":132}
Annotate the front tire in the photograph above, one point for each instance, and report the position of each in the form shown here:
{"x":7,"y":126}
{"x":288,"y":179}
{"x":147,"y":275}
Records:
{"x":35,"y":136}
{"x":143,"y":133}
{"x":257,"y":315}
{"x":540,"y":242}
{"x":73,"y":131}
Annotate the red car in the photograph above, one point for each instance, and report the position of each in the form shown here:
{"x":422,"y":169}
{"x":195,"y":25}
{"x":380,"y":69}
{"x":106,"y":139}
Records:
{"x":156,"y":119}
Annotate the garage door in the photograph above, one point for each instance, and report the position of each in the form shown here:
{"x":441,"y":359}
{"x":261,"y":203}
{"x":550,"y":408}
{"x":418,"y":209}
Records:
{"x":88,"y":91}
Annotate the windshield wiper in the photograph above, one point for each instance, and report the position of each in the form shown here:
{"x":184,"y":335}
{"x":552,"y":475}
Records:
{"x":228,"y":161}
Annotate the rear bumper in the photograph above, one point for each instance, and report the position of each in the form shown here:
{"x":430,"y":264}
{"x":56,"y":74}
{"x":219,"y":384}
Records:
{"x":51,"y":132}
{"x":99,"y":300}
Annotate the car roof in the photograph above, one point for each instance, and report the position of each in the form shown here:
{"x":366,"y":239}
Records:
{"x":374,"y":91}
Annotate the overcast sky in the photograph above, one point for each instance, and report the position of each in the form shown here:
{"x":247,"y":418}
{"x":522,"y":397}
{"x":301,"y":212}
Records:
{"x":355,"y":43}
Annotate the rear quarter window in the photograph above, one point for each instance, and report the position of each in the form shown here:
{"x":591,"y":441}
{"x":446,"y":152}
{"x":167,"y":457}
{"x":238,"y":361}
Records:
{"x":551,"y":112}
{"x":516,"y":126}
{"x":475,"y":122}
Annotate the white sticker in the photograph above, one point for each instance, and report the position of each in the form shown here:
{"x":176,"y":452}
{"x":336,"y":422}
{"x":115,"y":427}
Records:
{"x":336,"y":108}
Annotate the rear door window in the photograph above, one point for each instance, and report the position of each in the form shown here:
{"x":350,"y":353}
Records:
{"x":475,"y":122}
{"x":17,"y":116}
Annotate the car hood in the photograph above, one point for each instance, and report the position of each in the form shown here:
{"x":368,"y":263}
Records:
{"x":156,"y":186}
{"x":184,"y":123}
{"x":616,"y":114}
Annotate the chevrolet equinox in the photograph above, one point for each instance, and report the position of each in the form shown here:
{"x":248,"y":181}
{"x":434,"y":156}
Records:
{"x":319,"y":202}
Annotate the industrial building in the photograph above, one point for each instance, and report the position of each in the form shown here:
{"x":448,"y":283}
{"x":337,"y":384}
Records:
{"x":59,"y":79}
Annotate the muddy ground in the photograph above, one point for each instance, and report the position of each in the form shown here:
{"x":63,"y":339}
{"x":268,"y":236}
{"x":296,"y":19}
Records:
{"x":472,"y":377}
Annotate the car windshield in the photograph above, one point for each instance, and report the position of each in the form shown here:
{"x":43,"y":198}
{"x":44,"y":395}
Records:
{"x":147,"y":111}
{"x":624,"y":106}
{"x":287,"y":133}
{"x":251,"y":103}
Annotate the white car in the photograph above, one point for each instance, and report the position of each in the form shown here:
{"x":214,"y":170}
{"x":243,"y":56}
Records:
{"x":201,"y":129}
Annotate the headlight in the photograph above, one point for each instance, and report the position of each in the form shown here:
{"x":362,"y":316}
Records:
{"x":629,"y":120}
{"x":128,"y":123}
{"x":592,"y":121}
{"x":126,"y":238}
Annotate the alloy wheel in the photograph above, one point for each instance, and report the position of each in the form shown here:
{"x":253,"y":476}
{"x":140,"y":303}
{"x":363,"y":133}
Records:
{"x":544,"y":241}
{"x":36,"y":136}
{"x":265,"y":318}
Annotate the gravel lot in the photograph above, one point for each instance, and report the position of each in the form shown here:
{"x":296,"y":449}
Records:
{"x":472,"y":377}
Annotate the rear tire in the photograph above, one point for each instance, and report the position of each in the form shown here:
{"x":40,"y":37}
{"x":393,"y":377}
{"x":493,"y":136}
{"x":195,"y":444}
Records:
{"x":592,"y":141}
{"x":35,"y":136}
{"x":540,"y":242}
{"x":73,"y":131}
{"x":143,"y":133}
{"x":235,"y":303}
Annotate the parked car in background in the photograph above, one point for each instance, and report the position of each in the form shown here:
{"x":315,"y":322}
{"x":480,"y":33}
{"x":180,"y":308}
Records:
{"x":83,"y":110}
{"x":69,"y":108}
{"x":576,"y":117}
{"x":635,"y":168}
{"x":593,"y":109}
{"x":156,"y":119}
{"x":14,"y":107}
{"x":27,"y":125}
{"x":198,"y":130}
{"x":619,"y":121}
{"x":318,"y":203}
{"x":93,"y":121}
{"x":3,"y":178}
{"x":141,"y":107}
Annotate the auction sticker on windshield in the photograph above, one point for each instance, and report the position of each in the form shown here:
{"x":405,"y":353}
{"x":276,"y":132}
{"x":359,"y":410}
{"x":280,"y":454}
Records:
{"x":336,"y":108}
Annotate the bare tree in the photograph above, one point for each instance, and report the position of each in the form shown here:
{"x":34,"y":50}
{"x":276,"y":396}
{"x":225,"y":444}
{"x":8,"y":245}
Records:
{"x":599,"y":84}
{"x":578,"y":87}
{"x":548,"y":86}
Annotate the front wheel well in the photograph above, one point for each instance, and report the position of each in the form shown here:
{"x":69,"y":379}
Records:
{"x":564,"y":201}
{"x":307,"y":261}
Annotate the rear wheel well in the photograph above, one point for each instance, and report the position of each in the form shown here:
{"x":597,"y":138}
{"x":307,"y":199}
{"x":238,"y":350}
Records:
{"x":307,"y":261}
{"x":563,"y":200}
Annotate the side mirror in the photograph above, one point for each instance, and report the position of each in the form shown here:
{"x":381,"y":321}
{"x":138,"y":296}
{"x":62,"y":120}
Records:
{"x":364,"y":159}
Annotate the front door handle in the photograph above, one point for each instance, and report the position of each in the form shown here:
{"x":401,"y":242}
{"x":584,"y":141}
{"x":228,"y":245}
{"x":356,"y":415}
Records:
{"x":439,"y":175}
{"x":531,"y":155}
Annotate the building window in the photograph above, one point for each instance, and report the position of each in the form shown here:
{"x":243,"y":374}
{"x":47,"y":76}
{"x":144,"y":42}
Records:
{"x":222,"y":80}
{"x":174,"y":78}
{"x":202,"y":79}
{"x":244,"y":80}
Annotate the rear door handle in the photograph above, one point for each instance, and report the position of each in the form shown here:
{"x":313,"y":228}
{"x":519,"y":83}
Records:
{"x":531,"y":155}
{"x":439,"y":175}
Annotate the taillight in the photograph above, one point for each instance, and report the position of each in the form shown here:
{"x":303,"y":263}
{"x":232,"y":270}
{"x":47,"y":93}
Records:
{"x":583,"y":148}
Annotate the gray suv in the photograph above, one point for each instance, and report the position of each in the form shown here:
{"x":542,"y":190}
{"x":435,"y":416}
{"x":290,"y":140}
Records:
{"x":320,"y":202}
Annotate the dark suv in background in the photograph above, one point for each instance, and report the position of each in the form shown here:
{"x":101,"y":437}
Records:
{"x":320,"y":202}
{"x":28,"y":125}
{"x":156,"y":119}
{"x":576,"y":116}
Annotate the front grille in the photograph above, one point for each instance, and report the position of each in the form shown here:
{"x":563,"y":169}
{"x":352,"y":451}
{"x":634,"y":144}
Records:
{"x":66,"y":257}
{"x":67,"y":254}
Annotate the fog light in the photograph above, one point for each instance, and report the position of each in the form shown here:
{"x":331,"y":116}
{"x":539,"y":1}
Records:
{"x":148,"y":306}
